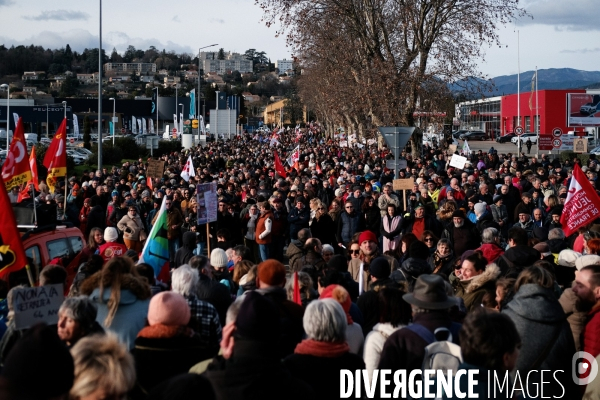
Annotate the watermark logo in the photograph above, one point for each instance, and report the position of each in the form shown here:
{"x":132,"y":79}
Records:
{"x":583,"y":364}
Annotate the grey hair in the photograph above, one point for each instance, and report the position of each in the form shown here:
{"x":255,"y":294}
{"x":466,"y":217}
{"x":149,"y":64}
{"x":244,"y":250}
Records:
{"x":80,"y":309}
{"x":234,"y":309}
{"x":184,"y":280}
{"x":489,"y":235}
{"x":445,"y":241}
{"x":328,"y":248}
{"x":325,"y":321}
{"x":556,"y":233}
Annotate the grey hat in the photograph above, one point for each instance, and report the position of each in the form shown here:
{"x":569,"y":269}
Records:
{"x":430,"y":293}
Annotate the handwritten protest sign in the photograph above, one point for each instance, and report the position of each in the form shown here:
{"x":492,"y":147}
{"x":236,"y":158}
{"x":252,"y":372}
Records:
{"x":33,"y":305}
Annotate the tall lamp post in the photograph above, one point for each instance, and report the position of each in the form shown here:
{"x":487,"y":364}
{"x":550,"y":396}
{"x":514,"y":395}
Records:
{"x":6,"y":86}
{"x":113,"y":119}
{"x":156,"y":109}
{"x":100,"y":90}
{"x":199,"y":78}
{"x":180,"y":127}
{"x":64,"y":103}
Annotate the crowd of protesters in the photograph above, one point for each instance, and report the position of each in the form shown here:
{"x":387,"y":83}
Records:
{"x":323,"y":269}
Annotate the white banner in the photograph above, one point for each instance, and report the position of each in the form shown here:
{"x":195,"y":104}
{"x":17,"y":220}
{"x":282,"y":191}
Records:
{"x":139,"y":124}
{"x":133,"y":125}
{"x":151,"y":125}
{"x":75,"y":125}
{"x":144,"y":128}
{"x":458,"y":161}
{"x":16,"y":117}
{"x":180,"y":122}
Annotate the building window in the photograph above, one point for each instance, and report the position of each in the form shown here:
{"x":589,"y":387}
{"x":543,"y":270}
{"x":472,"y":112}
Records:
{"x":527,"y":124}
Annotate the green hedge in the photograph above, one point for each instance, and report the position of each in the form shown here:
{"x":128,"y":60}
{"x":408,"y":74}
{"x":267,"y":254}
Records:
{"x":569,"y":155}
{"x":110,"y":154}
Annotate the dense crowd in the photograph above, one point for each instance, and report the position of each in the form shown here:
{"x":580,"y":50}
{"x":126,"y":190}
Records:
{"x":323,"y":269}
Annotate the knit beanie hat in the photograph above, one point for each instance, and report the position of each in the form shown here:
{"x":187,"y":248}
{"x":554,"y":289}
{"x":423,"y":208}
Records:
{"x":380,"y":268}
{"x":110,"y":234}
{"x":218,"y":258}
{"x":567,"y":258}
{"x":367,"y":235}
{"x":258,"y":319}
{"x":168,"y":308}
{"x":39,"y":348}
{"x":271,"y":272}
{"x":341,"y":295}
{"x":479,"y":208}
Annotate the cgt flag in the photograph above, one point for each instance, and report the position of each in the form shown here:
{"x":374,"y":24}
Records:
{"x":188,"y":170}
{"x":55,"y":159}
{"x":12,"y":255}
{"x":156,"y":249}
{"x":582,"y":203}
{"x":15,"y":170}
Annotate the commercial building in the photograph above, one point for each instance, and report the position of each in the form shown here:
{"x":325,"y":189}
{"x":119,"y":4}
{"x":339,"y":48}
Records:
{"x":232,"y":62}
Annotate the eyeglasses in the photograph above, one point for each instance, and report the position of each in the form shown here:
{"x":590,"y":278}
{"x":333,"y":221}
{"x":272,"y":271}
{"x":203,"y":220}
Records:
{"x":354,"y":251}
{"x":349,"y":207}
{"x":429,"y":239}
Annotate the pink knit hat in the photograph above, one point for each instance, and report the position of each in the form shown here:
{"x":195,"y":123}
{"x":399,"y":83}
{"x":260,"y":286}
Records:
{"x":168,"y":308}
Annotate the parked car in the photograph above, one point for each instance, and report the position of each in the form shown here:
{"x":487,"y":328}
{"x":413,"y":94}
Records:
{"x":78,"y":158}
{"x":456,"y":134}
{"x":473,"y":135}
{"x":524,"y":137}
{"x":506,"y":138}
{"x":82,"y":150}
{"x":595,"y":151}
{"x":588,"y":108}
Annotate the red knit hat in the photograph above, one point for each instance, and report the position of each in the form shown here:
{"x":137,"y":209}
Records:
{"x":341,"y":295}
{"x":367,"y":235}
{"x":271,"y":272}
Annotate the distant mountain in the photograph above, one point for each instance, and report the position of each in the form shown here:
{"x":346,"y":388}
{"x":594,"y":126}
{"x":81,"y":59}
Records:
{"x":553,"y":78}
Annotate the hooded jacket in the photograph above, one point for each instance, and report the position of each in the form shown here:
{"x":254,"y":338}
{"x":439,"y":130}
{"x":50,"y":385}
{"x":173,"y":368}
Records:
{"x":186,"y":251}
{"x":515,"y":259}
{"x":472,"y":290}
{"x":547,"y":341}
{"x":491,"y":251}
{"x":132,"y":310}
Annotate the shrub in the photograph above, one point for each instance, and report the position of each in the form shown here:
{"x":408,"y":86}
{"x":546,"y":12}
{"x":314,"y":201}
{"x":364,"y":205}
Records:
{"x":110,"y":154}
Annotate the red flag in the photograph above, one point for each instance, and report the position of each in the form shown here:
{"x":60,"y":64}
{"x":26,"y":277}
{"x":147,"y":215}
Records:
{"x":149,"y":182}
{"x":56,"y":156}
{"x":582,"y":203}
{"x":319,"y":170}
{"x":34,"y":171}
{"x":12,"y":255}
{"x":279,"y":166}
{"x":297,"y":299}
{"x":24,"y":193}
{"x":15,"y":170}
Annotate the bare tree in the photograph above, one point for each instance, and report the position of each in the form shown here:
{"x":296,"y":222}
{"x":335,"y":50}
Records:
{"x":370,"y":63}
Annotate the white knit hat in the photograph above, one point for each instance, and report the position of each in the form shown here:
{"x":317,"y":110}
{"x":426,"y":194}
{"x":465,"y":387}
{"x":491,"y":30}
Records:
{"x":218,"y":258}
{"x":479,"y":208}
{"x":110,"y":234}
{"x":567,"y":258}
{"x":586,"y":261}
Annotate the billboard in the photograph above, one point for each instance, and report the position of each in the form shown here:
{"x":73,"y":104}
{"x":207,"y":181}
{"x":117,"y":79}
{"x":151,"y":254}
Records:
{"x":583,"y":109}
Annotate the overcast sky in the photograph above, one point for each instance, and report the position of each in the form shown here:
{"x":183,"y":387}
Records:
{"x":562,"y":33}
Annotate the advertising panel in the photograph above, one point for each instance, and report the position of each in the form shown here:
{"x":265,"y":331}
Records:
{"x":583,"y":109}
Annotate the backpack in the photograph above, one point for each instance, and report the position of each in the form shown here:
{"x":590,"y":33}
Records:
{"x":443,"y":354}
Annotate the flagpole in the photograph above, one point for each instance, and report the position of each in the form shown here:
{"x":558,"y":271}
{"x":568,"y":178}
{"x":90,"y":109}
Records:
{"x":518,"y":94}
{"x":34,"y":210}
{"x":66,"y":188}
{"x":537,"y":113}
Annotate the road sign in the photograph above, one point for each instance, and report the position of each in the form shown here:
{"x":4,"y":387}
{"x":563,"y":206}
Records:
{"x":556,"y":143}
{"x":123,"y":130}
{"x":557,"y":132}
{"x":545,"y":142}
{"x":174,"y":130}
{"x":519,"y":130}
{"x":72,"y":140}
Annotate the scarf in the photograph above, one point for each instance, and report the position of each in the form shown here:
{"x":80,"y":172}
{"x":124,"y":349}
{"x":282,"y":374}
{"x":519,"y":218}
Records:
{"x":322,"y":349}
{"x":160,"y":331}
{"x":438,"y":260}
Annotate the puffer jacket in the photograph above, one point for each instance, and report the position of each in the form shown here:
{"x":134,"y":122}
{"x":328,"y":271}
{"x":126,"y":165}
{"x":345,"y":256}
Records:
{"x":576,"y":318}
{"x":473,"y":290}
{"x":547,"y":340}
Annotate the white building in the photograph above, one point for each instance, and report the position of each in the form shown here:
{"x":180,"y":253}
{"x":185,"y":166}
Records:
{"x":284,"y":65}
{"x":232,"y":62}
{"x":130,"y":67}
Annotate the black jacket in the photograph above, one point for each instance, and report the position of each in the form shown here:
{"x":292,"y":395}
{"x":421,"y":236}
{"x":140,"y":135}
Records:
{"x":184,"y":254}
{"x":515,"y":259}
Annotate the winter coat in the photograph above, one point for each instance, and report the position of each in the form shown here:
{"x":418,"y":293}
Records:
{"x":491,"y":251}
{"x":132,"y":310}
{"x":547,"y":340}
{"x":527,"y":227}
{"x":216,"y":294}
{"x":385,"y":200}
{"x":322,"y":374}
{"x":162,"y":352}
{"x":95,"y":219}
{"x":473,"y":290}
{"x":348,"y":225}
{"x":298,"y":219}
{"x":354,"y":267}
{"x":186,"y":251}
{"x":591,"y":332}
{"x":131,"y":227}
{"x":254,"y":372}
{"x":310,"y":259}
{"x":390,"y":230}
{"x":486,"y":221}
{"x":576,"y":318}
{"x":410,"y":270}
{"x":431,"y":224}
{"x":324,"y":229}
{"x":294,"y":251}
{"x":465,"y":238}
{"x":515,"y":259}
{"x":374,"y":344}
{"x":405,"y":349}
{"x":372,"y":218}
{"x":447,"y":264}
{"x":499,"y":213}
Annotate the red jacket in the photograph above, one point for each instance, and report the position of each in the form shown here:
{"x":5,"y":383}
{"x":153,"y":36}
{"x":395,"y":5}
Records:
{"x":591,"y":333}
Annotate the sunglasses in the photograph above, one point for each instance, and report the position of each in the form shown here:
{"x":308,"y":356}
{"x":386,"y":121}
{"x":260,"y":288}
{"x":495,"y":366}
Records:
{"x":429,"y":239}
{"x":349,"y":208}
{"x":354,"y":251}
{"x":320,"y":208}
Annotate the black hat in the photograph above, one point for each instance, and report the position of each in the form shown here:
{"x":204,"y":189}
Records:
{"x":258,"y":319}
{"x":380,"y":268}
{"x":557,"y":210}
{"x":430,"y":293}
{"x":497,"y":198}
{"x":458,"y":214}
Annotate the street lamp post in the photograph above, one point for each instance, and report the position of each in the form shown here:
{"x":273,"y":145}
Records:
{"x":5,"y":86}
{"x":64,"y":103}
{"x":100,"y":90}
{"x":199,"y":78}
{"x":180,"y":127}
{"x":113,"y":119}
{"x":156,"y":109}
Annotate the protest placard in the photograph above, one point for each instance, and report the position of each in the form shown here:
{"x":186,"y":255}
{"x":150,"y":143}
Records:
{"x":33,"y":305}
